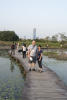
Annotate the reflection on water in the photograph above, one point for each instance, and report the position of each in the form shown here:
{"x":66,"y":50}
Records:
{"x":12,"y":66}
{"x":11,"y":79}
{"x":60,"y":67}
{"x":4,"y":53}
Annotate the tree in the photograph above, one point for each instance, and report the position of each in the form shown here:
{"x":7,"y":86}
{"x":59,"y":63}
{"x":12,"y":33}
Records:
{"x":55,"y":38}
{"x":63,"y":37}
{"x":8,"y":36}
{"x":47,"y":38}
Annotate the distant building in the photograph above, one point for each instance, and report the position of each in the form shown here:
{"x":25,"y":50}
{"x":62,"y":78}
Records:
{"x":34,"y":33}
{"x":25,"y":37}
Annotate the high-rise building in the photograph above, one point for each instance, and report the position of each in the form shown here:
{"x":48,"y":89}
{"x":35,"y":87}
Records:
{"x":34,"y":33}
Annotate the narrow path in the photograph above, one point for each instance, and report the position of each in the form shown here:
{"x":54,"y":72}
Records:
{"x":41,"y":86}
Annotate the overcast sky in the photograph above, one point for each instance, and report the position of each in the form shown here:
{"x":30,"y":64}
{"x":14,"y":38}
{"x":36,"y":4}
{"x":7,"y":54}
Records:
{"x":48,"y":16}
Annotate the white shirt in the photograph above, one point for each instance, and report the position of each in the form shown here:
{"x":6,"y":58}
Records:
{"x":33,"y":50}
{"x":24,"y":48}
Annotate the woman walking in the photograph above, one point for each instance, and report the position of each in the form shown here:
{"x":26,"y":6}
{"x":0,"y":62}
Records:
{"x":39,"y":58}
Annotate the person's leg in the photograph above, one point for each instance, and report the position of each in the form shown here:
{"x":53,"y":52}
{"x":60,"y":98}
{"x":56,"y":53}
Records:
{"x":33,"y":63}
{"x":40,"y":65}
{"x":13,"y":51}
{"x":30,"y":65}
{"x":23,"y":54}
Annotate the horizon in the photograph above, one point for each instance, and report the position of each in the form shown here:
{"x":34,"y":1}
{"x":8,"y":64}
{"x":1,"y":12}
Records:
{"x":49,"y":17}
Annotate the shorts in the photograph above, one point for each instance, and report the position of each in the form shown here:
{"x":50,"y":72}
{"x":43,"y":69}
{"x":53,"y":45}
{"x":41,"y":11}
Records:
{"x":32,"y":60}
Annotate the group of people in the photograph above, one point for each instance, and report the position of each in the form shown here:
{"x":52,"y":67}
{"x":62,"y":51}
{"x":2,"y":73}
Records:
{"x":14,"y":46}
{"x":34,"y":54}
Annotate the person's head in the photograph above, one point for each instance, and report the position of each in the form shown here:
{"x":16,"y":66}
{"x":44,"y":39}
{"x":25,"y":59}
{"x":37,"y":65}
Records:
{"x":24,"y":44}
{"x":13,"y":43}
{"x":33,"y":42}
{"x":39,"y":47}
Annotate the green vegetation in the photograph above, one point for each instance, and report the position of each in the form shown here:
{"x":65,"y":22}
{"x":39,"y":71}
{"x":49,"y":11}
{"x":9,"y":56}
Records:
{"x":8,"y":36}
{"x":5,"y":43}
{"x":55,"y":55}
{"x":50,"y":53}
{"x":44,"y":43}
{"x":50,"y":42}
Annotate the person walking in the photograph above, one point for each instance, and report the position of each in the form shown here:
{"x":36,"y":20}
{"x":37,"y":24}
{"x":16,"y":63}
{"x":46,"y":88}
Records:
{"x":32,"y":52}
{"x":13,"y":49}
{"x":39,"y":58}
{"x":24,"y":50}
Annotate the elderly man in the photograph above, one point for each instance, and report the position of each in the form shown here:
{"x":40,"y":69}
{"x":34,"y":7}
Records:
{"x":32,"y":54}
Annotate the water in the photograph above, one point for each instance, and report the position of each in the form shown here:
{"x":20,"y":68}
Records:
{"x":60,"y":67}
{"x":11,"y":78}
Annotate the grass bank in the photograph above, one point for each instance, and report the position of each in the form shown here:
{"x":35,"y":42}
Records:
{"x":5,"y":43}
{"x":43,"y":43}
{"x":55,"y":55}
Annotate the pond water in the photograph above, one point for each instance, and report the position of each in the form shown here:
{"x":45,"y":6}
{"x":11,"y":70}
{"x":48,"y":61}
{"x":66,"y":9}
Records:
{"x":60,"y":67}
{"x":11,"y":78}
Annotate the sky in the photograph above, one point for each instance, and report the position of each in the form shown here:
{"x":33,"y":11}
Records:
{"x":47,"y":16}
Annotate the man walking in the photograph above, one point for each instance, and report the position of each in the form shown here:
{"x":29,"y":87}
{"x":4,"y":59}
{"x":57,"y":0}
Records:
{"x":32,"y":54}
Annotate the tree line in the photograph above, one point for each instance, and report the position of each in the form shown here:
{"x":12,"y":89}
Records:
{"x":54,"y":38}
{"x":8,"y":36}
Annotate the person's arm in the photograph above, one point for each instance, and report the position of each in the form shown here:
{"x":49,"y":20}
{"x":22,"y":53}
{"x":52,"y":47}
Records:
{"x":40,"y":56}
{"x":29,"y":52}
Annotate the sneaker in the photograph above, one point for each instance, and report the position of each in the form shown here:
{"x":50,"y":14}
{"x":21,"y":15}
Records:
{"x":30,"y":69}
{"x":40,"y":71}
{"x":33,"y":69}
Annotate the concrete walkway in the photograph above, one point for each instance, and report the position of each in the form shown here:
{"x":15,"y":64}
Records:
{"x":41,"y":86}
